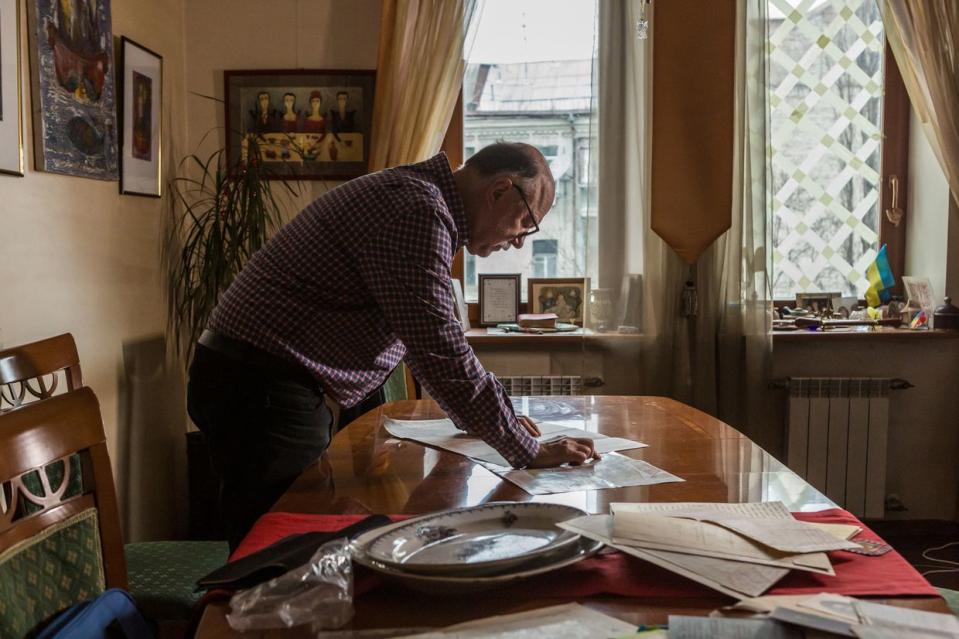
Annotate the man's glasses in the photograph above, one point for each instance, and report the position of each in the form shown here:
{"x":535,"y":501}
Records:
{"x":532,"y":217}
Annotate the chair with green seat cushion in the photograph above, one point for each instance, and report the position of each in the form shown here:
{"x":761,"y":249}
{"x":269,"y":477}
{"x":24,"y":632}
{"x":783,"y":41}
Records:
{"x":952,"y":599}
{"x":66,"y":545}
{"x":49,"y":572}
{"x":163,"y":574}
{"x":395,"y":387}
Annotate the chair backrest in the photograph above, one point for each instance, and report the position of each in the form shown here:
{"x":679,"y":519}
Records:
{"x":31,"y":371}
{"x":65,"y":429}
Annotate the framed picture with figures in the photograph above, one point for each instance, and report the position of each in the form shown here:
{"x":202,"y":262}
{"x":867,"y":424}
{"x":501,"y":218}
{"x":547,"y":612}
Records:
{"x":308,"y":125}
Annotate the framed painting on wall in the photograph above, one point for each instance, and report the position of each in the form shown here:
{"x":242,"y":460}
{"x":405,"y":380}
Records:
{"x":71,"y":55}
{"x":11,"y":111}
{"x":141,"y":93}
{"x":309,"y":125}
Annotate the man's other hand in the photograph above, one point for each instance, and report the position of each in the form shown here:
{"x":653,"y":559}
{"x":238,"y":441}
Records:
{"x":529,"y":425}
{"x":565,"y":450}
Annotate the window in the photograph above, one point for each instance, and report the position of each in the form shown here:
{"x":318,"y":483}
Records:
{"x":529,"y":79}
{"x":827,"y":123}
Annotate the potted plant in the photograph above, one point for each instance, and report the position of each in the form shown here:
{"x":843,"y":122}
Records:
{"x":221,"y":213}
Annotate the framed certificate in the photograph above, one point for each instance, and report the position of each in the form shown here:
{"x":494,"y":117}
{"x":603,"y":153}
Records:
{"x":498,"y":298}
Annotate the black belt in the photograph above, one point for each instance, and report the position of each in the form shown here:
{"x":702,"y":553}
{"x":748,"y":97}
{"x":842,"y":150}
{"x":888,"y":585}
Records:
{"x":250,"y":355}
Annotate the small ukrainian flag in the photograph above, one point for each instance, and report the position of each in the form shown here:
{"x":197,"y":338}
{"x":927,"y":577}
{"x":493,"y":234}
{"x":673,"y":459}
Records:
{"x":880,"y":279}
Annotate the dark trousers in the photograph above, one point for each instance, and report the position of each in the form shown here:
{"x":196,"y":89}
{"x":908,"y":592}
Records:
{"x":264,"y":424}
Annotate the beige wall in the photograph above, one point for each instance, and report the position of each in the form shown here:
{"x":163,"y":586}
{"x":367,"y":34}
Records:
{"x":281,"y":34}
{"x":75,"y":256}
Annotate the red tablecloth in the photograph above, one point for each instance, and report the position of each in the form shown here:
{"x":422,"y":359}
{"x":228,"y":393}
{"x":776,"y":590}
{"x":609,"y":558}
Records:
{"x":619,"y":574}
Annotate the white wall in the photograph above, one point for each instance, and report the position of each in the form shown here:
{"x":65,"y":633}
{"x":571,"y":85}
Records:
{"x":75,"y":256}
{"x":927,"y":212}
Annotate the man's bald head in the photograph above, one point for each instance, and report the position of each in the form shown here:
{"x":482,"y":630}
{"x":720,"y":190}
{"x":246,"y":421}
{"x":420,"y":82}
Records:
{"x":494,"y":182}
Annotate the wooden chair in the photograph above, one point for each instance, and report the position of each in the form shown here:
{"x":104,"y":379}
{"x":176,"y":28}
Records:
{"x":162,"y":573}
{"x":60,"y":539}
{"x":32,"y":371}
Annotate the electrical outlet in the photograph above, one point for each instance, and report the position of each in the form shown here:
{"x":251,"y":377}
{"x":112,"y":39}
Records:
{"x":894,"y":504}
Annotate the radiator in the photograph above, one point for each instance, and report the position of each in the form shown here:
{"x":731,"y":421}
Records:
{"x":542,"y":385}
{"x":836,"y":439}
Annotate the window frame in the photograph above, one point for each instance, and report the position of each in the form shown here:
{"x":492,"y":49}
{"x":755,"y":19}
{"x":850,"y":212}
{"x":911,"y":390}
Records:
{"x":894,"y":162}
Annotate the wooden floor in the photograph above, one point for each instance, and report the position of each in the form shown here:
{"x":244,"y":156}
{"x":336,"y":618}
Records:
{"x":911,"y":538}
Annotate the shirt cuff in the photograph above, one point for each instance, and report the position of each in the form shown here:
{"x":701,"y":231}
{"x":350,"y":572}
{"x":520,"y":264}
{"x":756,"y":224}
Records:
{"x":528,"y":449}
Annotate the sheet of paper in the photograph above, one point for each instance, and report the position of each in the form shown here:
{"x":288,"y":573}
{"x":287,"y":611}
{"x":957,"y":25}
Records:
{"x":766,"y":509}
{"x":769,"y":523}
{"x":568,"y":621}
{"x":894,"y":632}
{"x":681,"y":627}
{"x":875,"y":614}
{"x":442,"y":433}
{"x":840,"y":531}
{"x":612,"y":471}
{"x":733,"y":578}
{"x":659,"y":532}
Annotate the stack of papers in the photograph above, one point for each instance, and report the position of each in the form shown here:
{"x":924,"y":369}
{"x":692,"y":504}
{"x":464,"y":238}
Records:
{"x":842,"y":616}
{"x":740,"y":550}
{"x":612,"y":471}
{"x":568,"y":621}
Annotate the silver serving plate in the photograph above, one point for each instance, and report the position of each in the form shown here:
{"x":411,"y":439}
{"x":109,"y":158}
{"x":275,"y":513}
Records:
{"x":460,"y":584}
{"x":483,"y":539}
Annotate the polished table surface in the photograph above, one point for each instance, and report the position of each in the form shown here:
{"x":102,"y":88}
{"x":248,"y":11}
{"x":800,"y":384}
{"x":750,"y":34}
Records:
{"x":366,"y":470}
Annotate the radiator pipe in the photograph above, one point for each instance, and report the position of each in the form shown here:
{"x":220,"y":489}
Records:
{"x":896,"y":383}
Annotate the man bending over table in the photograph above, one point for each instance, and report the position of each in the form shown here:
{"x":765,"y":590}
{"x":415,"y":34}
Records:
{"x":357,"y":282}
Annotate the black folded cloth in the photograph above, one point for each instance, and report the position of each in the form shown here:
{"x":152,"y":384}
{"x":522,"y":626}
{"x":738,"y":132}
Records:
{"x":280,"y":557}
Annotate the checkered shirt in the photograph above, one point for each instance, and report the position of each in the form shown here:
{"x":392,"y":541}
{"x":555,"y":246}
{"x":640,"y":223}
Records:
{"x":360,"y":280}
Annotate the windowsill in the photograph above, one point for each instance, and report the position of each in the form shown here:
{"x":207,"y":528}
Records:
{"x":882,"y":333}
{"x":494,"y":336}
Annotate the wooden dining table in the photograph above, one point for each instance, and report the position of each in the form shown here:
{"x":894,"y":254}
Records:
{"x":366,"y":470}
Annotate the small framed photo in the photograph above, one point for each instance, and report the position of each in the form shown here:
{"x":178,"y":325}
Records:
{"x":818,"y":302}
{"x":141,"y":92}
{"x":498,"y":298}
{"x":305,"y":124}
{"x":567,"y":297}
{"x":918,"y":292}
{"x":459,"y":304}
{"x":11,"y":114}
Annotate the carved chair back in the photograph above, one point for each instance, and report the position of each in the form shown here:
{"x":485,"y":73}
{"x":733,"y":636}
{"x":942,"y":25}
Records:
{"x":62,"y":429}
{"x":31,"y":371}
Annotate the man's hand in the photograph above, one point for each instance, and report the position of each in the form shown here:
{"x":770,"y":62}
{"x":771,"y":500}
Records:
{"x":565,"y":450}
{"x":529,"y":425}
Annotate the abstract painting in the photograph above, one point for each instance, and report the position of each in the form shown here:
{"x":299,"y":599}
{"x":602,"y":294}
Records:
{"x":304,"y":124}
{"x":140,"y":89}
{"x":72,"y":76}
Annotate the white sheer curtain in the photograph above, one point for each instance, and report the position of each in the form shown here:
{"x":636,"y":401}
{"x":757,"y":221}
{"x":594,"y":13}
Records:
{"x":719,"y":359}
{"x":924,"y":37}
{"x":626,"y":245}
{"x":423,"y":46}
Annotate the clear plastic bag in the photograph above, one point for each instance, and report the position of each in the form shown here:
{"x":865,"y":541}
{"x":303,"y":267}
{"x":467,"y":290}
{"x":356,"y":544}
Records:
{"x":319,"y":593}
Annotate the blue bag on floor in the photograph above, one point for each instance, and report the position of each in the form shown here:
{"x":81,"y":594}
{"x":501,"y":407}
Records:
{"x":110,"y":616}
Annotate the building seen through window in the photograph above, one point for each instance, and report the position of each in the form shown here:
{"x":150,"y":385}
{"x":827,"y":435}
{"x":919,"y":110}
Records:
{"x":532,"y":82}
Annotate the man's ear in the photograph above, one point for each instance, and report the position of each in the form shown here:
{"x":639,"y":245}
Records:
{"x":500,"y":186}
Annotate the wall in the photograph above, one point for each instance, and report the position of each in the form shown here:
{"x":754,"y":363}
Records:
{"x":281,"y":34}
{"x":75,"y":256}
{"x":927,"y":214}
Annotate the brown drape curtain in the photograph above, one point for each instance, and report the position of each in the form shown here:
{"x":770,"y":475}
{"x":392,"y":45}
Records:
{"x":924,"y":37}
{"x":419,"y":75}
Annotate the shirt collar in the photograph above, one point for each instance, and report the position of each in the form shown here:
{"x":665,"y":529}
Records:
{"x":439,"y":166}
